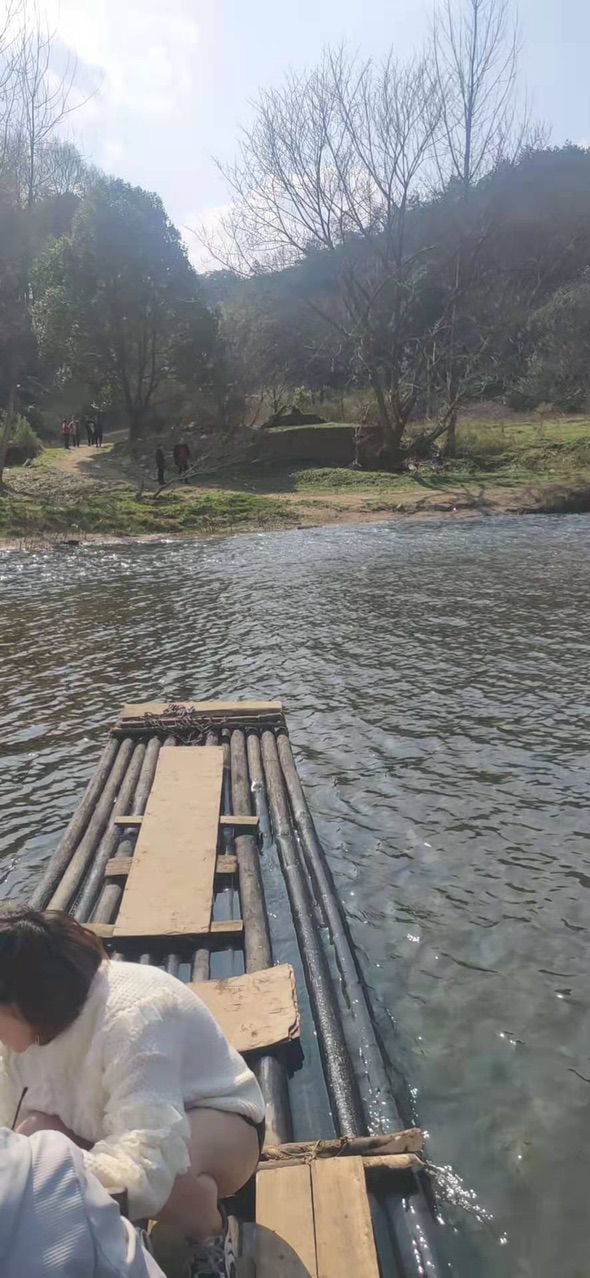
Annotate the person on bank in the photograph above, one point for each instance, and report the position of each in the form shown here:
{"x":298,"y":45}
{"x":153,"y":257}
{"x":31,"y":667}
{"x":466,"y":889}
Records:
{"x":65,"y":432}
{"x":160,"y":466}
{"x":130,"y":1064}
{"x":181,"y":455}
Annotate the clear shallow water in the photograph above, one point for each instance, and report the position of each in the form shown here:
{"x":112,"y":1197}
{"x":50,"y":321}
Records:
{"x":436,"y":681}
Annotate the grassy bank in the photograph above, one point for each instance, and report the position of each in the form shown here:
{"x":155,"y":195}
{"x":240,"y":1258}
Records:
{"x":121,"y":514}
{"x":515,"y":465}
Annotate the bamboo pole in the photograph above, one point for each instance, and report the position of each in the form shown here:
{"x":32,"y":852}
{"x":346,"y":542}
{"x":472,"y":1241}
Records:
{"x":200,"y":970}
{"x":340,"y":1080}
{"x":257,"y":934}
{"x":111,"y":839}
{"x":359,"y":1025}
{"x":378,"y":1144}
{"x":76,"y":828}
{"x":112,"y":893}
{"x":258,"y":789}
{"x":269,"y":1069}
{"x":76,"y":869}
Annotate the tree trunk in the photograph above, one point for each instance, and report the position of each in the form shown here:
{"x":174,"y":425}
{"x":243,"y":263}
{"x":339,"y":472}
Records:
{"x":451,"y":440}
{"x":454,"y":386}
{"x":6,"y":429}
{"x":135,"y":417}
{"x":390,"y":452}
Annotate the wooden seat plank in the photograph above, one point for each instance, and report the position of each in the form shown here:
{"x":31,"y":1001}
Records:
{"x":345,"y":1245}
{"x":136,"y":710}
{"x":285,"y":1237}
{"x":169,"y":890}
{"x":118,"y":867}
{"x":256,"y":1011}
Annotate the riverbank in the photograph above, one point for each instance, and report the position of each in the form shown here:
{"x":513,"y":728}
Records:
{"x":86,"y":494}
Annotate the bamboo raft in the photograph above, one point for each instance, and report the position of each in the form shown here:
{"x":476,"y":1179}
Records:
{"x":194,"y":849}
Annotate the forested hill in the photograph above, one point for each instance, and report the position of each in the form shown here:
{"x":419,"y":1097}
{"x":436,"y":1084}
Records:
{"x":525,"y":303}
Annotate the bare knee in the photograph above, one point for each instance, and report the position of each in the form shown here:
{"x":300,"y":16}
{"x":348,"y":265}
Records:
{"x":37,"y":1121}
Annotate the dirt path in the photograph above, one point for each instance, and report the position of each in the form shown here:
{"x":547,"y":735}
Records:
{"x":81,"y":461}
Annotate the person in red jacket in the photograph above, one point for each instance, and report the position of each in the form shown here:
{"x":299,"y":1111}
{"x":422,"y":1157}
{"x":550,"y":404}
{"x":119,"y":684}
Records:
{"x":65,"y":433}
{"x":181,"y":456}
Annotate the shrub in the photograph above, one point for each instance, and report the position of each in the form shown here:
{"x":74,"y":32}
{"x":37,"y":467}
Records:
{"x":24,"y":443}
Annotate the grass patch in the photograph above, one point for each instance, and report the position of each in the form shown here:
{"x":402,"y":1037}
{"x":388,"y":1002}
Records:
{"x":121,"y":514}
{"x":332,"y":480}
{"x":287,"y":430}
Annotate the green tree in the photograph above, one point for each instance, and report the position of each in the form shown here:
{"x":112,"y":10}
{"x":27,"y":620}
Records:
{"x":118,"y":304}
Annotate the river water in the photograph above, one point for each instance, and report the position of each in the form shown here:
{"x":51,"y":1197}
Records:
{"x":436,"y":682}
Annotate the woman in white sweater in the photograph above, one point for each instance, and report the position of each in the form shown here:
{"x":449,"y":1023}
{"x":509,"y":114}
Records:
{"x":133,"y":1067}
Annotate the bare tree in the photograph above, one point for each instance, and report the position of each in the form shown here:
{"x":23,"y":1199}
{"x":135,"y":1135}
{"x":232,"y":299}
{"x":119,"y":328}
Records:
{"x":474,"y":49}
{"x":44,"y":103}
{"x":9,"y":44}
{"x":332,"y":168}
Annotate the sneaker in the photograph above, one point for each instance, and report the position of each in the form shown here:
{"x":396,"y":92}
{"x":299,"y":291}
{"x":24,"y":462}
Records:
{"x":215,"y":1257}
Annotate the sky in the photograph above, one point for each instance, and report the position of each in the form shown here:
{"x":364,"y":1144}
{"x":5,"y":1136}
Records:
{"x":172,"y":80}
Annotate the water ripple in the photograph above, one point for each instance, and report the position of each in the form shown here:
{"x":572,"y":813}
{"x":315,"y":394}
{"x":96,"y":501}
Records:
{"x":436,"y":679}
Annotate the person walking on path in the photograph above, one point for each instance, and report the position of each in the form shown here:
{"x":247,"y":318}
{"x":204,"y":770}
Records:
{"x":65,"y":433}
{"x":90,"y":431}
{"x":75,"y":427}
{"x":98,"y":431}
{"x":160,"y":466}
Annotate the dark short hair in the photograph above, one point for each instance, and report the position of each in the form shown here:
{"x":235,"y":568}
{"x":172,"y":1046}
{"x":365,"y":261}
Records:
{"x":47,"y":965}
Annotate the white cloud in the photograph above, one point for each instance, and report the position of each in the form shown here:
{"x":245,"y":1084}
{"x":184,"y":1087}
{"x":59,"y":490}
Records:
{"x":142,"y":61}
{"x":208,"y":221}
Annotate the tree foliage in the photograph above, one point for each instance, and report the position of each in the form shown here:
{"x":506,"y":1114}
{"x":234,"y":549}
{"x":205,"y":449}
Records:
{"x":118,"y":302}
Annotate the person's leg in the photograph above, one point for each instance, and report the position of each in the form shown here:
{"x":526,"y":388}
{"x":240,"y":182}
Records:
{"x":223,"y":1153}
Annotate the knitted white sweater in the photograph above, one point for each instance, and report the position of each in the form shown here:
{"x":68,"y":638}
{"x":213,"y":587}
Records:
{"x":142,"y":1051}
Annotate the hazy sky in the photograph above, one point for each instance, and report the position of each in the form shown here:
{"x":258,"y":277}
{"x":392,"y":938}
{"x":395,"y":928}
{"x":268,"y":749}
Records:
{"x":175,"y":76}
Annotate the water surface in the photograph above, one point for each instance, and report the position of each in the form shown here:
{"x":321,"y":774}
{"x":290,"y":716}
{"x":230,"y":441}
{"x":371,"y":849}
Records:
{"x":436,"y":681}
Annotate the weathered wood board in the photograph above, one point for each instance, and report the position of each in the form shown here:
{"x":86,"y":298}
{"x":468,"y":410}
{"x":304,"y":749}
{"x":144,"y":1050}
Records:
{"x":345,"y":1245}
{"x":169,"y":890}
{"x":255,"y":1011}
{"x":285,"y":1236}
{"x":136,"y":710}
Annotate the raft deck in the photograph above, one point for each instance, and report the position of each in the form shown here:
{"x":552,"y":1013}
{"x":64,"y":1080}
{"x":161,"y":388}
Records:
{"x":193,"y":849}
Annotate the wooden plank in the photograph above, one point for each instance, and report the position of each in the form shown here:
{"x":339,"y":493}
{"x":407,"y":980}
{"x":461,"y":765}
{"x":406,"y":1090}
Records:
{"x":345,"y":1244}
{"x":285,"y":1237}
{"x":373,"y":1165}
{"x":118,"y":867}
{"x":234,"y":822}
{"x":169,"y":891}
{"x":239,"y":822}
{"x":228,"y":927}
{"x":257,"y":1010}
{"x":136,"y":710}
{"x":101,"y":929}
{"x":231,"y":928}
{"x":226,"y":865}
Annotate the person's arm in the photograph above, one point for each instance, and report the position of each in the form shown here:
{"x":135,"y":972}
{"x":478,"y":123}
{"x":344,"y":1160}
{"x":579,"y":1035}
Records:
{"x":145,"y":1146}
